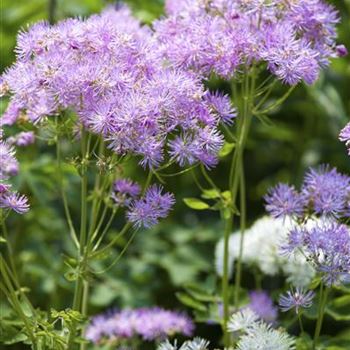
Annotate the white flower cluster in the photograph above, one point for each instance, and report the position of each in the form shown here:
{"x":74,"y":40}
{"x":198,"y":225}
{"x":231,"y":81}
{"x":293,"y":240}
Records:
{"x":261,"y":248}
{"x":195,"y":344}
{"x":254,"y":334}
{"x":258,"y":335}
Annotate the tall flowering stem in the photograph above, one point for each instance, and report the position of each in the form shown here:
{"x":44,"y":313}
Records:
{"x":236,"y":182}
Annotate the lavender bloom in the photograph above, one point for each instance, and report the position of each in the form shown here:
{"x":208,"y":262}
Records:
{"x":295,"y":40}
{"x":341,"y":50}
{"x":124,"y":190}
{"x":327,"y":190}
{"x":22,"y":139}
{"x":296,"y":299}
{"x":222,"y":106}
{"x":14,"y":201}
{"x":284,"y":200}
{"x":344,"y":136}
{"x":147,"y":323}
{"x":8,"y":162}
{"x":115,"y":80}
{"x":326,"y":245}
{"x":150,"y":208}
{"x":8,"y":168}
{"x":262,"y":305}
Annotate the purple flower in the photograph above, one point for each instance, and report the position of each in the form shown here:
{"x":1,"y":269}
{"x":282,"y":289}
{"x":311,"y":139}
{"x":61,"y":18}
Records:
{"x":326,"y":245}
{"x":284,"y":200}
{"x":14,"y":201}
{"x":262,"y":305}
{"x":8,"y":162}
{"x":150,"y":208}
{"x":222,"y":106}
{"x":344,"y":136}
{"x":22,"y":139}
{"x":127,"y":187}
{"x":296,"y":299}
{"x":327,"y":190}
{"x":295,"y":240}
{"x":341,"y":50}
{"x":183,"y":149}
{"x":295,"y":41}
{"x":116,"y":81}
{"x":8,"y":168}
{"x":147,"y":323}
{"x":4,"y":188}
{"x":124,"y":190}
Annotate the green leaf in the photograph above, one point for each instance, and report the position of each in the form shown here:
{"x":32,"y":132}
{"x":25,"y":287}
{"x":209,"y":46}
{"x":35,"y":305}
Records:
{"x":195,"y":203}
{"x":226,"y":149}
{"x":211,"y":194}
{"x":315,"y":283}
{"x":190,"y":302}
{"x":226,"y":195}
{"x":199,"y":294}
{"x":2,"y":239}
{"x":337,"y":315}
{"x":304,"y":342}
{"x":340,"y":301}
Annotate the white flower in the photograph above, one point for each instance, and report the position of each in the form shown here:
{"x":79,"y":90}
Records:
{"x":299,"y":271}
{"x":194,"y":344}
{"x":166,"y":345}
{"x":242,"y":320}
{"x":261,"y":336}
{"x":261,"y":248}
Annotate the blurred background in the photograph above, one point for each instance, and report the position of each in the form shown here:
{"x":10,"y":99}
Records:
{"x":303,"y":133}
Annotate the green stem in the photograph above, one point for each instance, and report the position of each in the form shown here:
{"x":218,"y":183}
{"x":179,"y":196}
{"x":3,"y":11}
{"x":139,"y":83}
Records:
{"x":105,"y":230}
{"x":12,"y":296}
{"x":84,"y":306}
{"x":300,"y":323}
{"x":234,"y":180}
{"x":120,"y":255}
{"x":225,"y":280}
{"x":63,"y":193}
{"x":241,"y":240}
{"x":78,"y":293}
{"x":52,"y":11}
{"x":321,"y":308}
{"x":13,"y":272}
{"x":98,"y":190}
{"x":10,"y":251}
{"x":103,"y":250}
{"x":276,"y":104}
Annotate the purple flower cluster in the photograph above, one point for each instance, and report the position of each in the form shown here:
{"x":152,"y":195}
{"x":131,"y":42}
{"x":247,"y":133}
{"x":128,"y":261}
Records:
{"x":10,"y":199}
{"x":324,"y":192}
{"x":22,"y":139}
{"x":124,"y":191}
{"x":147,"y":210}
{"x":147,"y":323}
{"x":319,"y":206}
{"x":294,"y":38}
{"x":262,"y":305}
{"x":326,"y":244}
{"x":113,"y":77}
{"x":142,"y":211}
{"x":296,"y":299}
{"x":283,"y":200}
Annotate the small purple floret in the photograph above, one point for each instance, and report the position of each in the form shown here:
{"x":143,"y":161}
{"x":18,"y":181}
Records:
{"x":296,"y":299}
